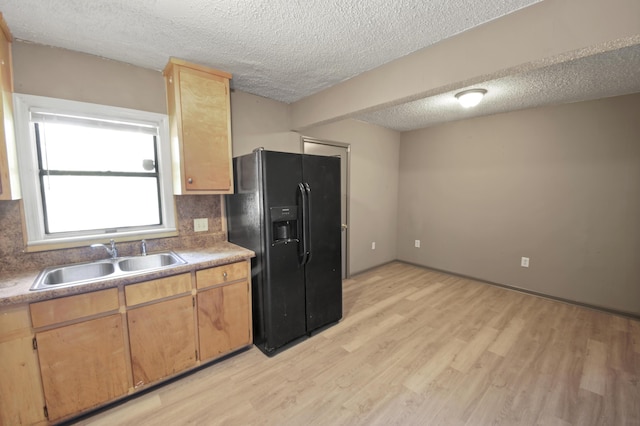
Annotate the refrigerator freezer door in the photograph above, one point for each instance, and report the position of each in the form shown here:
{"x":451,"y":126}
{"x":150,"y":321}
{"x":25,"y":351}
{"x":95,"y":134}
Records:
{"x":323,"y":271}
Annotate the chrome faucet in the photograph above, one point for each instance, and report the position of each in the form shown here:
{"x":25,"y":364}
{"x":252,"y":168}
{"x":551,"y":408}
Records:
{"x":113,"y":251}
{"x":143,"y":247}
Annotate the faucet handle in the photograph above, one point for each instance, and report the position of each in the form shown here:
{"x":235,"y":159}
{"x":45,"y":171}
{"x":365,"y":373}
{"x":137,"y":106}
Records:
{"x":114,"y":250}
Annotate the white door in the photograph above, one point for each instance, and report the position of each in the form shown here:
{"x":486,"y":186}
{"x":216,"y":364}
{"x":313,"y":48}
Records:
{"x":334,"y":149}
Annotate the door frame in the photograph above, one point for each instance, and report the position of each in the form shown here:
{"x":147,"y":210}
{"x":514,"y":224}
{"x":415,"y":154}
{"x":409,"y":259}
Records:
{"x":306,"y":139}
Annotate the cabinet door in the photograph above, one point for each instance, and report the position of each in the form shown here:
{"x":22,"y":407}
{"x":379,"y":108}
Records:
{"x":21,"y":399}
{"x":82,"y":365}
{"x":9,"y":188}
{"x":206,"y":147}
{"x":162,"y":339}
{"x":224,"y":319}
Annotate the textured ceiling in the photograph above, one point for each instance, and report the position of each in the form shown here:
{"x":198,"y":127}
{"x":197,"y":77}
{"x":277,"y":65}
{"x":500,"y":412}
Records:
{"x":612,"y":73}
{"x":288,"y":50}
{"x":283,"y":50}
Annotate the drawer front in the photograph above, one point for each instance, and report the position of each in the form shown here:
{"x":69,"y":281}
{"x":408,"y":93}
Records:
{"x":222,"y":274}
{"x":149,"y":291}
{"x":70,"y":308}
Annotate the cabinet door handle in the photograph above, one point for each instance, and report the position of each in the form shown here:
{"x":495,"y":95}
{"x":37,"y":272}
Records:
{"x":224,"y":274}
{"x":189,"y":180}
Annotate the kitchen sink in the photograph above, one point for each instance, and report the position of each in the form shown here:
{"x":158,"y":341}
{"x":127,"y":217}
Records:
{"x":83,"y":273}
{"x":150,"y":261}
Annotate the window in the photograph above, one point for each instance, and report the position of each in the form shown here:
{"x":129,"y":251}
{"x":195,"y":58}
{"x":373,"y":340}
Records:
{"x":92,"y":171}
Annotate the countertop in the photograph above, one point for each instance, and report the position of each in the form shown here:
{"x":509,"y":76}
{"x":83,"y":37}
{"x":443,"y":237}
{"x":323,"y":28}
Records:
{"x":14,"y":288}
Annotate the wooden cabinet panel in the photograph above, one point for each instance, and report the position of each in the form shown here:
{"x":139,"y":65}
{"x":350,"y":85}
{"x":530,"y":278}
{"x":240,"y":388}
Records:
{"x":148,"y":291}
{"x":21,"y":399}
{"x":222,"y":274}
{"x":83,"y":365}
{"x":9,"y":180}
{"x":70,"y":308}
{"x":200,"y":124}
{"x":224,"y":319}
{"x":162,"y":339}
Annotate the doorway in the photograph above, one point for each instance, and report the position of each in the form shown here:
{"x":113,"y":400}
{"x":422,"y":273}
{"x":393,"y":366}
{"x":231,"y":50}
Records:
{"x":343,"y":151}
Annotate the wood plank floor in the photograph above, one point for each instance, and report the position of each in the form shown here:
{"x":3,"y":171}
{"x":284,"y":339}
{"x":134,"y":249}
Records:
{"x":419,"y":347}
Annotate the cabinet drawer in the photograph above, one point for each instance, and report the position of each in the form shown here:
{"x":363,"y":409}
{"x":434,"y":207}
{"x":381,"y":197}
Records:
{"x":70,"y":308}
{"x":148,"y":291}
{"x":222,"y":274}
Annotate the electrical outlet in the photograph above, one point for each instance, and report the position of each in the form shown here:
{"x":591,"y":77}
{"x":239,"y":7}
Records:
{"x":200,"y":225}
{"x":417,"y":243}
{"x":373,"y":245}
{"x":524,"y":262}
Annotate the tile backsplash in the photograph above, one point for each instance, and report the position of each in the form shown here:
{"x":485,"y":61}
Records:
{"x":188,"y":207}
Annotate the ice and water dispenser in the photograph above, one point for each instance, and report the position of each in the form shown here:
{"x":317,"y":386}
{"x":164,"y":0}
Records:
{"x":284,"y":224}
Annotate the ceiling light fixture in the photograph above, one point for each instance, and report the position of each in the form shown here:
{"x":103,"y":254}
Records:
{"x":470,"y":98}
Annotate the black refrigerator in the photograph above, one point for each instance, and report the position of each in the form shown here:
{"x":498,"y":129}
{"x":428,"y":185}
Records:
{"x":286,"y":208}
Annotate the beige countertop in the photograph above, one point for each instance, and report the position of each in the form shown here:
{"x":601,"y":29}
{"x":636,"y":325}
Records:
{"x":14,"y":288}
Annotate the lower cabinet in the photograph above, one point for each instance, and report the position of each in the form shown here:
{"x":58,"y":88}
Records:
{"x":62,"y":357}
{"x":162,"y":339}
{"x":224,"y":315}
{"x":21,"y":399}
{"x":81,"y":351}
{"x":224,"y":309}
{"x":82,"y":365}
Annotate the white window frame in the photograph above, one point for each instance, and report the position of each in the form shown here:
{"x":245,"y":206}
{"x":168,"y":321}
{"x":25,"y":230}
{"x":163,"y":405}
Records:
{"x":37,"y":239}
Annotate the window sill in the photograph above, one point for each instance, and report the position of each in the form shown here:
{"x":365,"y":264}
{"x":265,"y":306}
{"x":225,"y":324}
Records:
{"x":41,"y":246}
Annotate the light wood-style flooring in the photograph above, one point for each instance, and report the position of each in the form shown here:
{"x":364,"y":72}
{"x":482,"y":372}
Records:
{"x":419,"y":347}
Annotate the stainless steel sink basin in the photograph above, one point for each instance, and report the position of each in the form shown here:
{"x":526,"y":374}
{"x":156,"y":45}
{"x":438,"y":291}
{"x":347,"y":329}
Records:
{"x":150,"y":261}
{"x":83,"y":273}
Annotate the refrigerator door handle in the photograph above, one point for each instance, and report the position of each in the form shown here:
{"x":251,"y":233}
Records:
{"x":302,"y":245}
{"x":307,"y":223}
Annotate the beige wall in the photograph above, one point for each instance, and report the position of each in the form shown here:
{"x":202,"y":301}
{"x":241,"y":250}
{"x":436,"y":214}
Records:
{"x":59,"y":73}
{"x":560,"y":185}
{"x":256,"y":122}
{"x":373,"y":206}
{"x":260,"y":122}
{"x":45,"y":71}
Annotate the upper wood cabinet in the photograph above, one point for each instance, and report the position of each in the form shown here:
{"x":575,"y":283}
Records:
{"x":200,"y":126}
{"x":9,"y":181}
